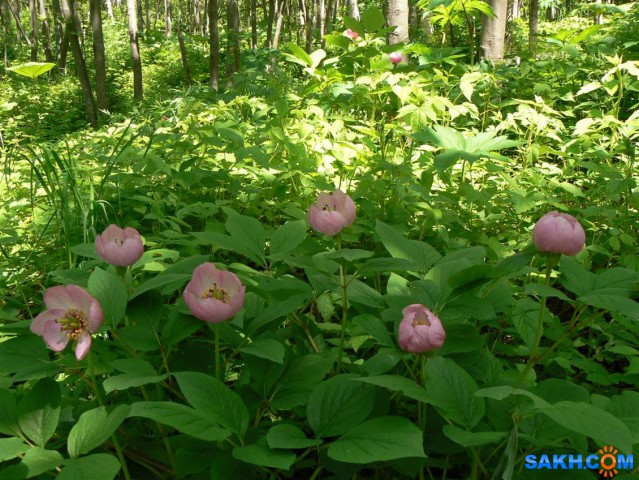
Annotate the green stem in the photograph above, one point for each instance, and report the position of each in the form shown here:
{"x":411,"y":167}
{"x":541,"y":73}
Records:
{"x":217,"y":352}
{"x":342,"y":285}
{"x":114,"y":438}
{"x":533,"y":359}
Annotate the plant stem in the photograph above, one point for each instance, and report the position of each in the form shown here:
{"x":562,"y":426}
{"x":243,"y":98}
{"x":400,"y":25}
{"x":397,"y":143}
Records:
{"x":114,"y":438}
{"x":217,"y":352}
{"x":342,"y":286}
{"x":532,"y":361}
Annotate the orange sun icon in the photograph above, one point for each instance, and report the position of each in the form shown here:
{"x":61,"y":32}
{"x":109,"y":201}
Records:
{"x":608,"y":461}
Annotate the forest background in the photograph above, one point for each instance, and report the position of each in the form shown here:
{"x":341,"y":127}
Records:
{"x":211,"y":128}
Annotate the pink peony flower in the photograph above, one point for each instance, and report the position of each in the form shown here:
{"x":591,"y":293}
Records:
{"x":395,"y":57}
{"x":559,"y":233}
{"x":71,"y":314}
{"x":420,"y":330}
{"x":331,"y":213}
{"x":351,"y":34}
{"x":214,"y":295}
{"x":119,"y":247}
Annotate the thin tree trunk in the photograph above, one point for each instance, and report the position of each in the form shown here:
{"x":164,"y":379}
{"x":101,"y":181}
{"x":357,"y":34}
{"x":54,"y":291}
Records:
{"x":278,"y":23}
{"x":397,"y":16}
{"x":183,"y":54}
{"x":140,"y":14}
{"x":33,"y":20}
{"x":138,"y":89}
{"x":272,"y":7}
{"x":214,"y":46}
{"x":253,"y":24}
{"x":78,"y":22}
{"x":321,"y":19}
{"x":197,"y":17}
{"x":353,"y":9}
{"x":493,"y":32}
{"x":168,"y":23}
{"x":98,"y":54}
{"x":109,"y":7}
{"x":81,"y":68}
{"x":533,"y":25}
{"x":46,"y":32}
{"x":5,"y":39}
{"x":16,"y":17}
{"x":330,"y":4}
{"x":515,"y":9}
{"x":147,"y":13}
{"x":233,"y":40}
{"x":309,"y":26}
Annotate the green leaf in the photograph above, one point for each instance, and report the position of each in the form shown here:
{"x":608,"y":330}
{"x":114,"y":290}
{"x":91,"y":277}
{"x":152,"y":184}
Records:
{"x":94,"y":427}
{"x":338,"y":404}
{"x":421,"y":254}
{"x":32,"y":70}
{"x":451,"y":389}
{"x":184,"y":419}
{"x":136,"y":373}
{"x":472,"y":439}
{"x":591,"y":421}
{"x":110,"y":291}
{"x":261,"y":454}
{"x":100,"y":466}
{"x":373,"y":326}
{"x":214,"y":399}
{"x":612,"y":303}
{"x":301,"y":376}
{"x":395,"y":383}
{"x":386,"y":264}
{"x":299,"y":55}
{"x":266,"y":348}
{"x":247,"y":231}
{"x":287,"y":237}
{"x":8,"y":413}
{"x":39,"y":411}
{"x":379,"y":440}
{"x":11,"y":448}
{"x":165,"y":283}
{"x":289,"y":436}
{"x":372,"y":19}
{"x":36,"y":461}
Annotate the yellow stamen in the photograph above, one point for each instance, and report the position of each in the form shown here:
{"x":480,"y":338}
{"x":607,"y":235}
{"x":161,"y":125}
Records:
{"x":217,"y":293}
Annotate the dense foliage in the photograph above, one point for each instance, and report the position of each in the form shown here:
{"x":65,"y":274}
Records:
{"x":449,"y":167}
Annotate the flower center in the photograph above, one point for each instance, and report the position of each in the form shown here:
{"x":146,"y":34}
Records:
{"x":74,"y":323}
{"x":420,"y":319}
{"x":119,"y":242}
{"x":218,"y":293}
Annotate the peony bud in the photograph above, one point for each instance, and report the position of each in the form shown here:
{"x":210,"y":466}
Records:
{"x":420,"y":330}
{"x":119,"y":247}
{"x":331,"y":213}
{"x":559,"y":233}
{"x":395,"y":57}
{"x":351,"y":34}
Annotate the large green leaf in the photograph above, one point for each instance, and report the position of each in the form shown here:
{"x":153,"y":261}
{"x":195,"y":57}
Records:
{"x":94,"y":427}
{"x":450,"y":388}
{"x":39,"y":411}
{"x":8,"y":413}
{"x":422,"y":255}
{"x":372,"y":19}
{"x":379,"y":440}
{"x":287,"y":237}
{"x":100,"y":466}
{"x":184,"y":419}
{"x":396,"y":383}
{"x":136,"y":373}
{"x":32,"y":70}
{"x":216,"y":401}
{"x":110,"y":291}
{"x":12,"y":447}
{"x":261,"y":454}
{"x":472,"y":439}
{"x":248,"y":232}
{"x":338,"y":404}
{"x":289,"y":436}
{"x":266,"y":348}
{"x":36,"y":461}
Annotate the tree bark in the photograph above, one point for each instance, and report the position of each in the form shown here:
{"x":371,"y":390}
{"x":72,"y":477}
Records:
{"x":140,"y":18}
{"x":278,"y":23}
{"x":168,"y":23}
{"x":46,"y":32}
{"x":109,"y":7}
{"x":98,"y":54}
{"x":533,"y":25}
{"x":253,"y":24}
{"x":81,"y":68}
{"x":33,"y":20}
{"x":397,"y":16}
{"x":515,"y":9}
{"x":138,"y":89}
{"x":233,"y":40}
{"x":5,"y":38}
{"x":353,"y":9}
{"x":214,"y":46}
{"x":493,"y":33}
{"x":272,"y":8}
{"x":309,"y":25}
{"x":16,"y":17}
{"x":78,"y":22}
{"x":183,"y":54}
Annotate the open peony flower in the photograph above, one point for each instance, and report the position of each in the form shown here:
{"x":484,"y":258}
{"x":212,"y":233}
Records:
{"x":351,"y":34}
{"x":420,"y":330}
{"x":395,"y":57}
{"x":331,"y":213}
{"x":71,"y":314}
{"x":559,"y":233}
{"x":214,"y":295}
{"x":119,"y":247}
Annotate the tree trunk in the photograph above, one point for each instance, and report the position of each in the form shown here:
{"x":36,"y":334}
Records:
{"x":183,"y":54}
{"x":79,"y":28}
{"x":515,"y":9}
{"x":214,"y":46}
{"x":533,"y":26}
{"x":46,"y":32}
{"x":80,"y":66}
{"x":278,"y":23}
{"x":140,"y":14}
{"x":197,"y":17}
{"x":147,"y":13}
{"x":330,"y":4}
{"x":168,"y":24}
{"x":232,"y":40}
{"x":138,"y":89}
{"x":308,"y":20}
{"x":109,"y":7}
{"x":397,"y":16}
{"x":16,"y":17}
{"x":253,"y":24}
{"x":598,"y":17}
{"x":33,"y":20}
{"x":272,"y":8}
{"x":320,"y":19}
{"x":353,"y":9}
{"x":493,"y":31}
{"x":5,"y":39}
{"x":98,"y":54}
